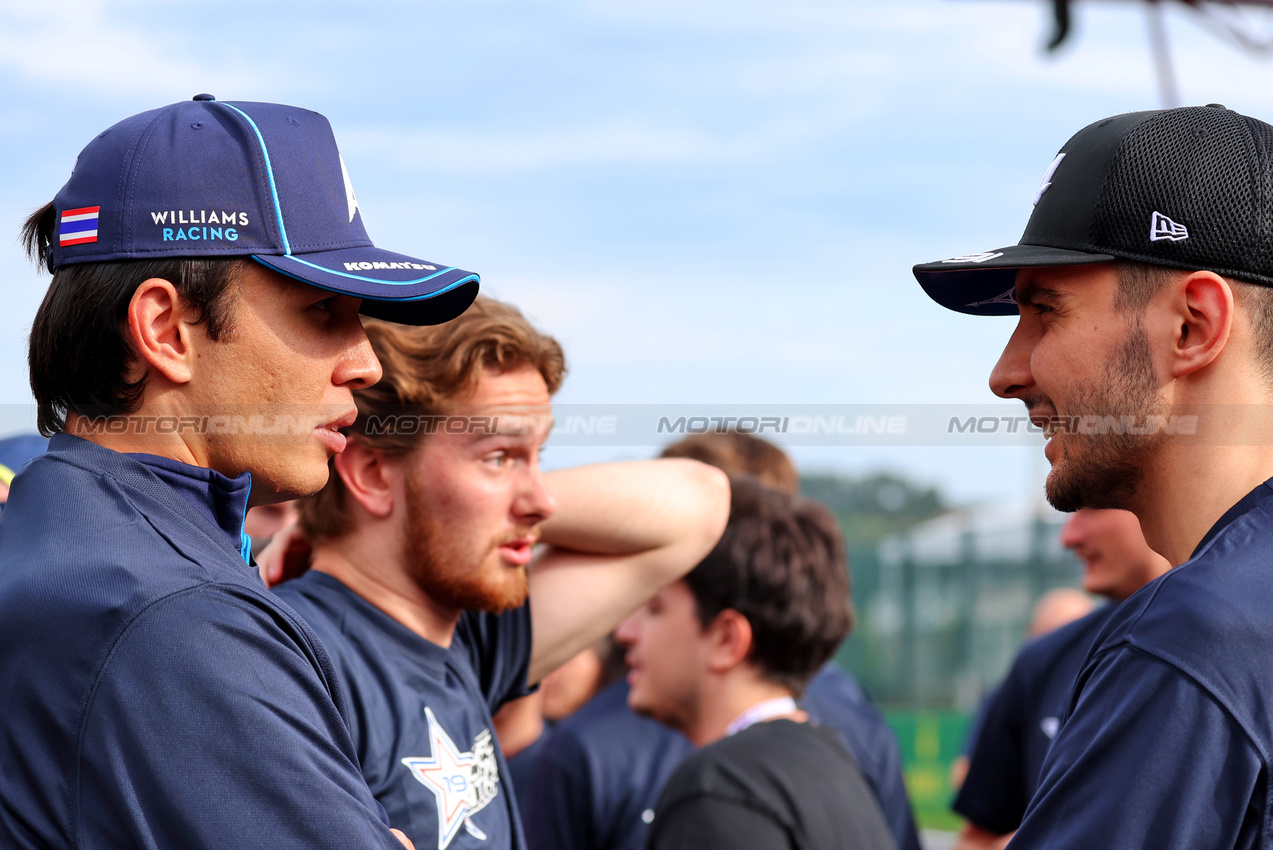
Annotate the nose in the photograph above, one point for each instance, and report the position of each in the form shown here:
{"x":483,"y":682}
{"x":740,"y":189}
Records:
{"x":358,"y":366}
{"x":535,"y":502}
{"x":1011,"y":376}
{"x":627,"y":632}
{"x":1074,"y":531}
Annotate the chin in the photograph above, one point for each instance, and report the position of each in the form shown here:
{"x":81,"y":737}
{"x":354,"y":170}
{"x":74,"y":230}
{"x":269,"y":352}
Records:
{"x":640,"y":705}
{"x":296,"y":485}
{"x":288,"y":474}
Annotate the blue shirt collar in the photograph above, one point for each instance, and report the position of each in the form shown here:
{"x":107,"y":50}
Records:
{"x":220,"y":499}
{"x":1246,"y":503}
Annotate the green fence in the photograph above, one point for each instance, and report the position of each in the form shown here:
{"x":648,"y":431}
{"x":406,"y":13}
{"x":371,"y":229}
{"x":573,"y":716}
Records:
{"x":930,"y":742}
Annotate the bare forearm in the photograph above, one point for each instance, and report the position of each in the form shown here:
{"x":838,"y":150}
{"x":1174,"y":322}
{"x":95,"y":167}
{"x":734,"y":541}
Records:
{"x":637,"y":506}
{"x":621,"y":532}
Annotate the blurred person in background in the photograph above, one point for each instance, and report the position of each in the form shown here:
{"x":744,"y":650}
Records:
{"x":14,"y":453}
{"x":740,"y":454}
{"x":525,"y":726}
{"x":599,"y":779}
{"x":1056,"y":608}
{"x":264,"y":521}
{"x":1023,"y":715}
{"x":571,"y":685}
{"x":722,"y":655}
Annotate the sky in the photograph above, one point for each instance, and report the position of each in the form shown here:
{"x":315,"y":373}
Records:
{"x":713,"y":205}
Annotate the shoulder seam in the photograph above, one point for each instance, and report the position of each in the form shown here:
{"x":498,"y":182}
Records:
{"x":1132,"y":646}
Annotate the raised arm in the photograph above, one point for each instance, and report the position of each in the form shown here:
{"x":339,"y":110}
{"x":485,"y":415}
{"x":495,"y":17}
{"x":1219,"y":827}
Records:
{"x":621,"y":532}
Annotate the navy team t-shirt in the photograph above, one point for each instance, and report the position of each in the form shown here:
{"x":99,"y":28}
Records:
{"x":1018,"y":723}
{"x":420,"y":714}
{"x":1169,"y":734}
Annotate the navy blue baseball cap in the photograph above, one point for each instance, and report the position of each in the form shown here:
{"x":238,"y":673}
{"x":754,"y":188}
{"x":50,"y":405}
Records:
{"x":209,"y":178}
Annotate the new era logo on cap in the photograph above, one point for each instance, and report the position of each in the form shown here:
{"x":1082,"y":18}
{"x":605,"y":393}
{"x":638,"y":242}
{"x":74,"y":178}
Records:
{"x":79,"y":226}
{"x":1161,"y":227}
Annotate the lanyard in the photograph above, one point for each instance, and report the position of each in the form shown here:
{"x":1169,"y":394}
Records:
{"x":767,"y":710}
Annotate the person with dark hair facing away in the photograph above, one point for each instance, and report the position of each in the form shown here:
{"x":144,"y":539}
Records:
{"x":1143,"y":349}
{"x":740,"y":454}
{"x":598,"y":778}
{"x":425,"y":553}
{"x":722,"y":656}
{"x":195,"y":354}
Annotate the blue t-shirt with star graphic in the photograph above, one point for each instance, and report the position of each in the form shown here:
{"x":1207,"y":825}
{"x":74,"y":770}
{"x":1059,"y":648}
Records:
{"x":420,"y":713}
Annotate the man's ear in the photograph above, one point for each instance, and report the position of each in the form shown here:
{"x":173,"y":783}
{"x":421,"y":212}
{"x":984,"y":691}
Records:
{"x":1202,"y":313}
{"x":160,"y":330}
{"x":730,"y":641}
{"x":368,"y":477}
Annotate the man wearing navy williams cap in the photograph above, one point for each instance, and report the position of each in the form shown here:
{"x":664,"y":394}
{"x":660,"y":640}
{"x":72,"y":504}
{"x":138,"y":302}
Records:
{"x":1144,"y":347}
{"x":195,"y":355}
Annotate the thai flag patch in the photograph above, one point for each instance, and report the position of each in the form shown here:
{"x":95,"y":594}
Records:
{"x":78,"y":226}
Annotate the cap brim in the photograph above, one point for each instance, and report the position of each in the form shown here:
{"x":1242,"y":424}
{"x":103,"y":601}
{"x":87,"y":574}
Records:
{"x":393,"y":287}
{"x":983,"y":284}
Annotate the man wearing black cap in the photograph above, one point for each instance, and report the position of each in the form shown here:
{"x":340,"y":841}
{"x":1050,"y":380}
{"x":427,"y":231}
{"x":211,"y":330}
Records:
{"x":1143,"y":349}
{"x":195,"y":355}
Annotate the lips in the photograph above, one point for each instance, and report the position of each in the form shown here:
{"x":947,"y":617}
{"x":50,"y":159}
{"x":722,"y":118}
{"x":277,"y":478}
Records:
{"x":1046,"y":419}
{"x":518,"y":550}
{"x":329,"y":434}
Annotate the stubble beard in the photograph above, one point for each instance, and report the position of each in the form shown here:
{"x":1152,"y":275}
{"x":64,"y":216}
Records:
{"x":1104,"y":470}
{"x":445,"y":568}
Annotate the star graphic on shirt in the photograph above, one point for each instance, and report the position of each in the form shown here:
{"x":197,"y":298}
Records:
{"x":462,"y":783}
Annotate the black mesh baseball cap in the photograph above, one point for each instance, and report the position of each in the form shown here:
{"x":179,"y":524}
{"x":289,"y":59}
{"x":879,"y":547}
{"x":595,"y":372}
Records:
{"x":1188,"y":188}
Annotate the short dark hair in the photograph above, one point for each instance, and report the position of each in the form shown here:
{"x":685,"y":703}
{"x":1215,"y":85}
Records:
{"x":1138,"y":283}
{"x":781,"y":564}
{"x":740,"y":454}
{"x":80,"y":354}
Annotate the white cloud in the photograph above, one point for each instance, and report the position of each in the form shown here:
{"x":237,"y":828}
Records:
{"x":92,"y":47}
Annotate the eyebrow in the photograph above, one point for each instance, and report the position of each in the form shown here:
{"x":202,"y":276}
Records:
{"x":1034,"y":292}
{"x":503,"y":429}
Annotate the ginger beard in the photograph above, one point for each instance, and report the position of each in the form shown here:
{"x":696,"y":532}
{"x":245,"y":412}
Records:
{"x":1103,"y":469}
{"x":463,"y":575}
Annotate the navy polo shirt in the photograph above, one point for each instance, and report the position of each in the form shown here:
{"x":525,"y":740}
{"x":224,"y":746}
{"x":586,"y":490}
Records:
{"x":1018,"y":723}
{"x":153,"y":693}
{"x":600,"y":777}
{"x":523,"y":769}
{"x":420,"y":714}
{"x":1169,"y":732}
{"x":835,"y":699}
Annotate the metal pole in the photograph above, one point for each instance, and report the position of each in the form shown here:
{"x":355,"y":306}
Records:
{"x":1162,"y":55}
